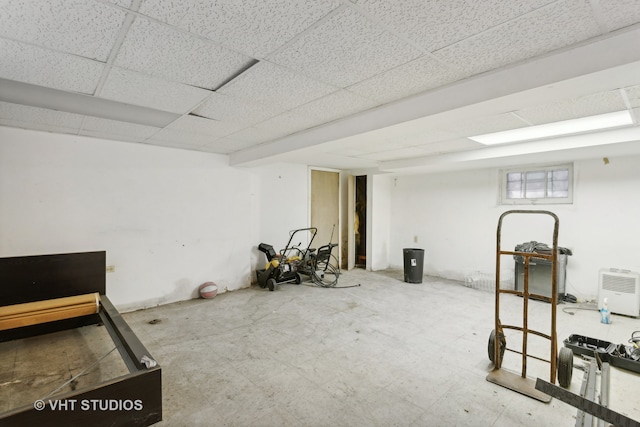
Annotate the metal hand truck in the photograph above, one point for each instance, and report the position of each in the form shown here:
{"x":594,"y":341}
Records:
{"x":562,"y":363}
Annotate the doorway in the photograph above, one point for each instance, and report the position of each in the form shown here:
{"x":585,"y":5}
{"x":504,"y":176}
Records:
{"x":325,"y":207}
{"x":360,"y":222}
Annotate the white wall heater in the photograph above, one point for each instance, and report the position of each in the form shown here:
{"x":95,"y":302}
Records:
{"x":622,"y":290}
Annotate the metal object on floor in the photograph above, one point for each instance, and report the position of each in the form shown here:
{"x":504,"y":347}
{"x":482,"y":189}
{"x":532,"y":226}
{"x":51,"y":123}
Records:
{"x":604,"y":389}
{"x":588,"y":391}
{"x":521,"y":383}
{"x":590,"y":407}
{"x":320,"y":265}
{"x":283,"y":267}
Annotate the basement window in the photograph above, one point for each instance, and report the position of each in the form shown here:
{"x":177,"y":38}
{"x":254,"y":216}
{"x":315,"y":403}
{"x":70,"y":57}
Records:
{"x":537,"y":185}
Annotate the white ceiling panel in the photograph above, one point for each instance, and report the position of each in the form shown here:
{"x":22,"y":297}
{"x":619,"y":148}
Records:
{"x":33,"y":125}
{"x":167,"y":137}
{"x":322,"y":82}
{"x":272,"y":85}
{"x":240,"y":25}
{"x":439,"y":23}
{"x":344,"y":49}
{"x":81,"y":27}
{"x":255,"y":135}
{"x":229,"y":108}
{"x":452,"y":145}
{"x":552,"y":27}
{"x":229,"y":145}
{"x":216,"y":149}
{"x":395,"y":154}
{"x":139,"y":89}
{"x":407,"y":79}
{"x":426,"y":137}
{"x":338,"y":104}
{"x":598,"y":103}
{"x":158,"y":50}
{"x":633,"y":95}
{"x":487,"y":124}
{"x":123,"y":3}
{"x":346,"y":151}
{"x":104,"y":128}
{"x":41,"y":116}
{"x":196,"y":146}
{"x":194,"y":124}
{"x":288,"y":122}
{"x":619,"y":13}
{"x":377,"y":145}
{"x":43,"y":67}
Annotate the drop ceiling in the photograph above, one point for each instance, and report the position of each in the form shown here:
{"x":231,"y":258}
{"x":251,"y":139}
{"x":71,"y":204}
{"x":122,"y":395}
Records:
{"x":382,"y":85}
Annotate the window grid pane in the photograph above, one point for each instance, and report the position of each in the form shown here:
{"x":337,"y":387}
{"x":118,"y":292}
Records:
{"x":538,"y":185}
{"x":515,"y":185}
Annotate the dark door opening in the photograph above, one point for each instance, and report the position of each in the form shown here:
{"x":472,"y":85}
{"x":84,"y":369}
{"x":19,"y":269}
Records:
{"x":360,"y":219}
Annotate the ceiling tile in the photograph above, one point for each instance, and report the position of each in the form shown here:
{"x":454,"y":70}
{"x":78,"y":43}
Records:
{"x":407,"y":79}
{"x":450,"y":146}
{"x":241,"y":25}
{"x":153,"y":92}
{"x":29,"y":125}
{"x":230,"y":108}
{"x":41,"y":116}
{"x":172,"y":137}
{"x":442,"y":147}
{"x":123,"y":3}
{"x":182,"y":144}
{"x":619,"y":13}
{"x":201,"y":125}
{"x":43,"y":67}
{"x":482,"y":125}
{"x":230,"y":145}
{"x":161,"y":51}
{"x":349,"y":152}
{"x":216,"y":149}
{"x":376,"y":145}
{"x":80,"y":27}
{"x":344,"y":49}
{"x":633,"y":95}
{"x":439,"y":23}
{"x":254,"y":136}
{"x":338,"y":104}
{"x":275,"y":86}
{"x":599,"y":103}
{"x":552,"y":27}
{"x":400,"y":153}
{"x":112,"y":129}
{"x":426,"y":137}
{"x":287,"y":123}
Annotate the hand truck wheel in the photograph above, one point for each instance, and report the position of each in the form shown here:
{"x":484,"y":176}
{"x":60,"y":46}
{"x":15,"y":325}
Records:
{"x":565,"y":367}
{"x":491,"y":347}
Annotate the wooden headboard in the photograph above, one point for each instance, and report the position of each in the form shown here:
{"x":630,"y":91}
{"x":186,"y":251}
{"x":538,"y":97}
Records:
{"x":42,"y":277}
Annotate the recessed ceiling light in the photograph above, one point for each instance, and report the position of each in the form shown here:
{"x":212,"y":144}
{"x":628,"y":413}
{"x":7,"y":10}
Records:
{"x":566,"y":127}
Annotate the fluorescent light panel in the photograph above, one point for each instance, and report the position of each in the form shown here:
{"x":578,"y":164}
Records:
{"x":566,"y":127}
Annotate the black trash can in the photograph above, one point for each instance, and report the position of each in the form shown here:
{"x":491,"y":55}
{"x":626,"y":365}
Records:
{"x":413,"y":265}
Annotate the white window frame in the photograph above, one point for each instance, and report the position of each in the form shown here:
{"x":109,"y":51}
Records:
{"x":504,"y":200}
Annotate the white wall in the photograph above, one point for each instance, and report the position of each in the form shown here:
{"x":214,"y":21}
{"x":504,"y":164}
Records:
{"x":454,"y":216}
{"x":380,"y":226}
{"x":169,"y":219}
{"x":284,"y":204}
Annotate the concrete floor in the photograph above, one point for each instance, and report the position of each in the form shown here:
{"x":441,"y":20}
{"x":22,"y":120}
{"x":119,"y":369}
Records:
{"x":386,"y":353}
